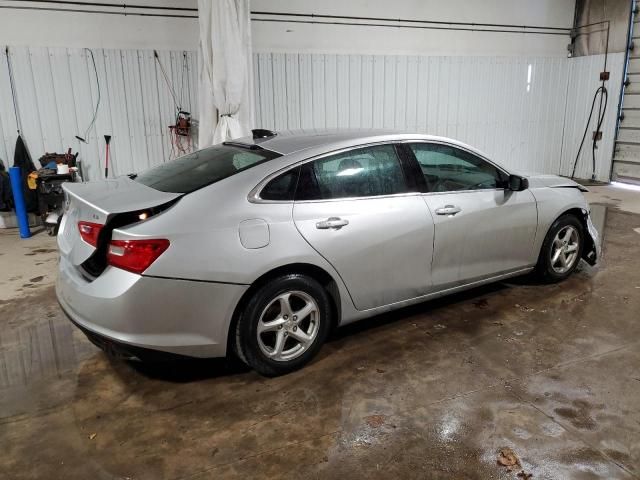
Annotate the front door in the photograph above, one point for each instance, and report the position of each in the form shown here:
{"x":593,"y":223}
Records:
{"x":481,"y":228}
{"x":354,"y":209}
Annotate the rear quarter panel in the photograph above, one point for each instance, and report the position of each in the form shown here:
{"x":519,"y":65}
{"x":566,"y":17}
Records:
{"x":204,"y":231}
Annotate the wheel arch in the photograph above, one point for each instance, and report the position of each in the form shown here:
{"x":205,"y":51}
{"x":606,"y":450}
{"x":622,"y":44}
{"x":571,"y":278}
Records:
{"x":582,"y":215}
{"x":317,"y":273}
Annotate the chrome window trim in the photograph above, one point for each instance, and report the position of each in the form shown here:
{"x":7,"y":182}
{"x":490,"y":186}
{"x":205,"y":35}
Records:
{"x":370,"y":197}
{"x":452,"y":192}
{"x":254,"y":194}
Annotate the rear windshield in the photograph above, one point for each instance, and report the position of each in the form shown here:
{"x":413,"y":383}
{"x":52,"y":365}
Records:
{"x":202,"y":168}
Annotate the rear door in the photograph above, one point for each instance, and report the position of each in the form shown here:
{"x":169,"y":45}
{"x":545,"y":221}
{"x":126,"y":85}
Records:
{"x":355,"y":209}
{"x":481,"y":228}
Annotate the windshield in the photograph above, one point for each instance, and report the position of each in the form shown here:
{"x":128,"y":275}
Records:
{"x":202,"y":168}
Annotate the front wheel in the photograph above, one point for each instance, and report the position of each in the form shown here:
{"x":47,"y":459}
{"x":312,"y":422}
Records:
{"x":283,"y":325}
{"x":562,"y":249}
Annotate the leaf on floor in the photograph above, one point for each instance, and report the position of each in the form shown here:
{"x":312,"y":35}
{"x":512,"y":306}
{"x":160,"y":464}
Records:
{"x":375,"y":421}
{"x":508,"y":458}
{"x":524,"y":308}
{"x":482,"y":303}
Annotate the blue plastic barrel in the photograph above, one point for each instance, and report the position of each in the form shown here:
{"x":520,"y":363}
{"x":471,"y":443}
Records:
{"x":18,"y":200}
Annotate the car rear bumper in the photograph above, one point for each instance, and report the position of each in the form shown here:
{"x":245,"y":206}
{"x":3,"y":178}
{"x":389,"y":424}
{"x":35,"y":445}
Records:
{"x":125,"y":313}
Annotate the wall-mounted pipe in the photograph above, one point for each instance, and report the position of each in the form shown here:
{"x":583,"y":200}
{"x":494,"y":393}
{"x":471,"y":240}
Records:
{"x":420,"y":27}
{"x":407,"y":20}
{"x":299,"y":18}
{"x":18,"y":199}
{"x":103,"y":12}
{"x":106,"y":4}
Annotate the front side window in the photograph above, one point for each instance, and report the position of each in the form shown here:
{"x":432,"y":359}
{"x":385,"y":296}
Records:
{"x":448,"y":169}
{"x":204,"y":167}
{"x":362,"y":172}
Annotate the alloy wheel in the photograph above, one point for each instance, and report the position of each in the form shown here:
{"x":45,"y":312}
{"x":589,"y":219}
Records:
{"x":564,"y":249}
{"x":288,"y":326}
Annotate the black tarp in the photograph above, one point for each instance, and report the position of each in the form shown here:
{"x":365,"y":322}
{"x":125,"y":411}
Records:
{"x":22,"y":159}
{"x":6,"y":200}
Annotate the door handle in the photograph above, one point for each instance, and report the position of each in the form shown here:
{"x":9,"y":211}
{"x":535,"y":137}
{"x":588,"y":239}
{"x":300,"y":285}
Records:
{"x":332,"y":222}
{"x":448,"y":210}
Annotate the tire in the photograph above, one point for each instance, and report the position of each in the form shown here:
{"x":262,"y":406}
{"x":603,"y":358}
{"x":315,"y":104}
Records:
{"x":566,"y":232}
{"x":286,"y":342}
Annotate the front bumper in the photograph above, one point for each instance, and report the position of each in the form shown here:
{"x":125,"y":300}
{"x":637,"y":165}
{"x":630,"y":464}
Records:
{"x":593,"y":248}
{"x":123,"y":312}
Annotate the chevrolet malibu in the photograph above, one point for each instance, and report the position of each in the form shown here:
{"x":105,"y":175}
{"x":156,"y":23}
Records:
{"x":262,"y":245}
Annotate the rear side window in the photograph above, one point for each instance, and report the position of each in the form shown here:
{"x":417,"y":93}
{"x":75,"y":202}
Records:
{"x":362,"y":172}
{"x":202,"y":168}
{"x":281,"y":188}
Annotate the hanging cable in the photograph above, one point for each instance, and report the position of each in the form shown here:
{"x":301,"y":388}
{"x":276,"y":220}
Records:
{"x":601,"y":112}
{"x":166,"y":79}
{"x":183,"y":91}
{"x":181,"y":129}
{"x":13,"y":93}
{"x":604,"y":95}
{"x":95,"y":112}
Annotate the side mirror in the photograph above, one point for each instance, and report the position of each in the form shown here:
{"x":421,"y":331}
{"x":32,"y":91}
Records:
{"x":517,"y":183}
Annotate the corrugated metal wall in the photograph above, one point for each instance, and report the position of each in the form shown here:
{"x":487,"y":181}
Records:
{"x":583,"y":81}
{"x":56,"y":93}
{"x":527,"y":113}
{"x":513,"y":108}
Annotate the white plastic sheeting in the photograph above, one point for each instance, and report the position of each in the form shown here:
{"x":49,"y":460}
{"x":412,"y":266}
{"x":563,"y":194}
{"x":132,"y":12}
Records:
{"x":56,"y":90}
{"x":513,"y":108}
{"x":225,"y":70}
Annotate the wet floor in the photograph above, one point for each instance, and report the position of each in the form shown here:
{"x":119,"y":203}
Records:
{"x":434,"y":391}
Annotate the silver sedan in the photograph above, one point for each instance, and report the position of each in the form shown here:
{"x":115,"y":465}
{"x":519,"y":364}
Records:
{"x":262,"y":245}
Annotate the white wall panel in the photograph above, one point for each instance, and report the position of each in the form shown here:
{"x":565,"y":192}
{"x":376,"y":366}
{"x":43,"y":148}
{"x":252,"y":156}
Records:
{"x":583,"y":80}
{"x":56,"y":92}
{"x":480,"y":100}
{"x":282,"y":37}
{"x":483,"y":101}
{"x":30,"y":28}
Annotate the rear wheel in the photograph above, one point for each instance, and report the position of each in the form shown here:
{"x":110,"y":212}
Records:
{"x":562,"y":249}
{"x":283,"y":325}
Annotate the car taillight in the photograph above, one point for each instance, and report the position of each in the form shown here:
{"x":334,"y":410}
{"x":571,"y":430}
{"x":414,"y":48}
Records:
{"x":135,"y":255}
{"x":89,"y":232}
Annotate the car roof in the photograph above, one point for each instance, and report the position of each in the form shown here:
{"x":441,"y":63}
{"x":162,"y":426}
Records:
{"x":291,"y":141}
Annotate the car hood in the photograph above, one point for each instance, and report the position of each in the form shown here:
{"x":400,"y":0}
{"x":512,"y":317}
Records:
{"x":537,"y":180}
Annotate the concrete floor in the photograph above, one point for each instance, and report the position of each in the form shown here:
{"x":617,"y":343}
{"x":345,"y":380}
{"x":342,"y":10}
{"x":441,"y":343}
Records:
{"x":433,"y":391}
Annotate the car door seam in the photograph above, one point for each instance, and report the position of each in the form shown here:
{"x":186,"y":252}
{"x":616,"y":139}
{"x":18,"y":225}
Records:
{"x":321,"y":255}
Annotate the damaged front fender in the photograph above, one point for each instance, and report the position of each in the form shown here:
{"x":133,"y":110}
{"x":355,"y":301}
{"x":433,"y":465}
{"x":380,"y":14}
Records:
{"x":592,"y":247}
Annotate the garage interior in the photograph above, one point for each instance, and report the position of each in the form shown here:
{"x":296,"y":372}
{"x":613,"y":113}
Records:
{"x":516,"y":379}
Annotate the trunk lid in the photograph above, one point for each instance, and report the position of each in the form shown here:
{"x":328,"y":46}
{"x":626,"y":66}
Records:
{"x":100,"y":202}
